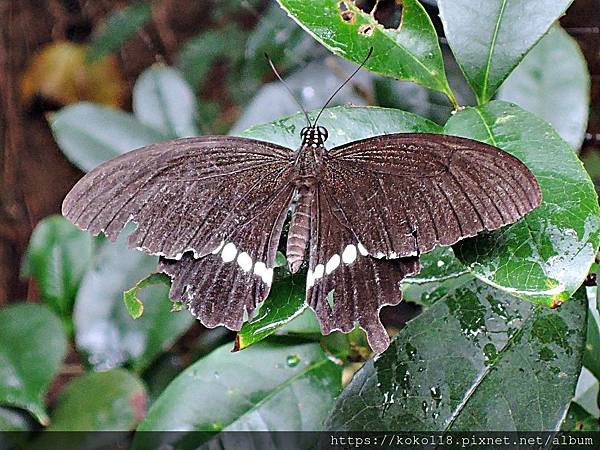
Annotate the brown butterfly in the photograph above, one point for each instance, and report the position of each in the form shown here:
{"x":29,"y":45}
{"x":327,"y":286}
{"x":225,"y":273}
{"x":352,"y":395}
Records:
{"x":213,"y":208}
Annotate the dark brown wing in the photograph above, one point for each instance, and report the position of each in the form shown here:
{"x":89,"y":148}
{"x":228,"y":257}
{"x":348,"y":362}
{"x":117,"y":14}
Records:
{"x":212,"y":207}
{"x":402,"y":194}
{"x":344,"y":285}
{"x":184,"y":195}
{"x":221,"y":288}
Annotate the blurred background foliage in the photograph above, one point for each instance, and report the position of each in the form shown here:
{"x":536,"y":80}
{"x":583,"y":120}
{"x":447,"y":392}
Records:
{"x":85,"y":81}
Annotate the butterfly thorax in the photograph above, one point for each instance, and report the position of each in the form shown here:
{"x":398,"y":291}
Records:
{"x":309,"y":158}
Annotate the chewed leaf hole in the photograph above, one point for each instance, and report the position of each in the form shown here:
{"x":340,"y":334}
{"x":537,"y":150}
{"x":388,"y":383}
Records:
{"x":366,"y":29}
{"x":348,"y":15}
{"x":386,"y":12}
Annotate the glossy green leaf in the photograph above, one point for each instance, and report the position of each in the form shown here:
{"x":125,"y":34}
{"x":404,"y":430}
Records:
{"x":89,"y":134}
{"x":270,"y":386}
{"x":119,"y":27}
{"x":411,"y":52}
{"x":163,"y":100}
{"x":101,"y":401}
{"x":553,"y":82}
{"x":33,"y":344}
{"x":58,"y":256}
{"x":545,"y":256}
{"x":285,"y":302}
{"x":105,"y":332}
{"x":479,"y":359}
{"x":578,"y":419}
{"x":440,"y":273}
{"x":588,"y":392}
{"x":490,"y":37}
{"x":345,"y":124}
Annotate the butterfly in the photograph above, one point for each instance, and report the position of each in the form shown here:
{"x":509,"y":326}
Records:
{"x":213,"y":208}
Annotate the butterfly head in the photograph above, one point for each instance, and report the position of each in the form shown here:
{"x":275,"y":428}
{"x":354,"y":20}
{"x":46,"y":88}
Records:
{"x":314,"y":136}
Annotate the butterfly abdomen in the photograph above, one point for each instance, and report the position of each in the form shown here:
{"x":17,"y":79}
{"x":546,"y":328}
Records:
{"x":299,"y":232}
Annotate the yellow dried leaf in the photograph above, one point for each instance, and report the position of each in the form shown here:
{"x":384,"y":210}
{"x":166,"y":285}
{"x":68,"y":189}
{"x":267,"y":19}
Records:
{"x":59,"y":72}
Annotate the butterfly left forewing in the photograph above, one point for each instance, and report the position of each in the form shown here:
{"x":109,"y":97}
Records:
{"x":211,"y":207}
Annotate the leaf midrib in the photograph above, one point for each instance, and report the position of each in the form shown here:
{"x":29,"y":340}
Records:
{"x":491,"y":53}
{"x":471,"y":392}
{"x":278,"y":389}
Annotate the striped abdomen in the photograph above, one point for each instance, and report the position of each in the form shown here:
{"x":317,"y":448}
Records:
{"x":299,"y":230}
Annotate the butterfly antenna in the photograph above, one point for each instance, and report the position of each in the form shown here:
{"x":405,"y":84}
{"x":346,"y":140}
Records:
{"x":344,"y":84}
{"x":288,"y":89}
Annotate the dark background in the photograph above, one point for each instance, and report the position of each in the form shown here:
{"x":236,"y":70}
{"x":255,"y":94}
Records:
{"x":35,"y":176}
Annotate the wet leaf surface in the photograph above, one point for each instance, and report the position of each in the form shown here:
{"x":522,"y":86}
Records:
{"x":33,"y":344}
{"x":105,"y":332}
{"x":411,"y":52}
{"x":490,"y":37}
{"x":57,"y":258}
{"x":270,"y":386}
{"x":163,"y":100}
{"x":479,"y":359}
{"x":557,"y":92}
{"x":101,"y":401}
{"x":545,"y":256}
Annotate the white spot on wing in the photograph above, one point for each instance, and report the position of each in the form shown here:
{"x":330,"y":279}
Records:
{"x":268,"y":276}
{"x":319,"y":271}
{"x":244,"y":261}
{"x":260,"y":269}
{"x":229,"y":252}
{"x":332,"y":264}
{"x":349,"y":254}
{"x":363,"y":251}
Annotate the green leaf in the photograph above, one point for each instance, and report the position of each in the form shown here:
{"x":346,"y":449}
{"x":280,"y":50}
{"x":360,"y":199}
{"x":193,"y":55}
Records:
{"x":58,"y":256}
{"x":101,"y":401}
{"x":105,"y":332}
{"x":411,"y":52}
{"x":490,"y":37}
{"x":477,"y":360}
{"x":119,"y":27}
{"x":135,"y":307}
{"x":345,"y":124}
{"x":285,"y":302}
{"x":270,"y":386}
{"x":557,"y":92}
{"x":578,"y":419}
{"x":440,"y":273}
{"x":163,"y":100}
{"x":545,"y":256}
{"x":33,"y":344}
{"x":89,"y":134}
{"x":591,"y":356}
